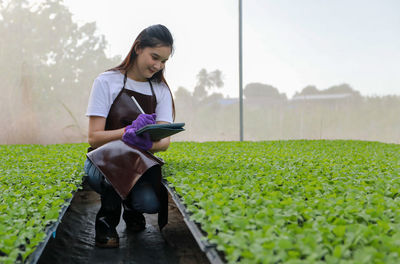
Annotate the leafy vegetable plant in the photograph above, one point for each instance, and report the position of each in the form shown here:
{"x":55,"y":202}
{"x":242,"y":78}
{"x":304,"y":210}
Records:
{"x":35,"y":182}
{"x":292,"y":201}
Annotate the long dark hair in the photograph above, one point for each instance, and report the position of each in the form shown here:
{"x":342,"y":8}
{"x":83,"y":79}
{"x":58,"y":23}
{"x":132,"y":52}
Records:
{"x":153,"y":36}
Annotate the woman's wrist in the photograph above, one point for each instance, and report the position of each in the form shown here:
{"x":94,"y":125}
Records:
{"x":161,"y":145}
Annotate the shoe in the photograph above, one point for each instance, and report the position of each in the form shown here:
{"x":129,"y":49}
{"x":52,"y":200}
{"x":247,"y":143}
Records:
{"x":134,"y":220}
{"x":106,"y":235}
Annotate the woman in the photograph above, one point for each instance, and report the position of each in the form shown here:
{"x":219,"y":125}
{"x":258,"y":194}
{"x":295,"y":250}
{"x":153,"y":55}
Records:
{"x":122,"y":168}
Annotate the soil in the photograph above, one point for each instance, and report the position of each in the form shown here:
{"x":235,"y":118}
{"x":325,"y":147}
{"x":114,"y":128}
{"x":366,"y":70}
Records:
{"x":74,"y":238}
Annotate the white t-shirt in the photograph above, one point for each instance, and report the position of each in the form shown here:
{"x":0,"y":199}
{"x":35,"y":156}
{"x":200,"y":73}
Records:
{"x":107,"y":86}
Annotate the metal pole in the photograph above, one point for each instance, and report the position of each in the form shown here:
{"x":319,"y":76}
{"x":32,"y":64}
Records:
{"x":240,"y":72}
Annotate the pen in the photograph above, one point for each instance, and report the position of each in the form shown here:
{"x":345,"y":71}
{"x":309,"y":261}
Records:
{"x":137,"y":104}
{"x":141,"y":110}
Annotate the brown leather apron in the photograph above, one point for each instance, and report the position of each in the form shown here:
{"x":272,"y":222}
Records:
{"x":124,"y":164}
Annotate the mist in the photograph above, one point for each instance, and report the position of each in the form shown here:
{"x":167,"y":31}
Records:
{"x":49,"y":63}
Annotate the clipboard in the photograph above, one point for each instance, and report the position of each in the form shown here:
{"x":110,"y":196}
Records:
{"x":160,"y":131}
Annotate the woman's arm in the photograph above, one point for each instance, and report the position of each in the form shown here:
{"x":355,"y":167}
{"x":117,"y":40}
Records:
{"x":98,"y":136}
{"x":161,"y":145}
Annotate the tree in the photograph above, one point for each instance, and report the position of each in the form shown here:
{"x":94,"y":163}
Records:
{"x":259,"y":90}
{"x":49,"y":59}
{"x":308,"y":90}
{"x":182,"y":94}
{"x":336,"y":89}
{"x":343,"y":88}
{"x":206,"y":81}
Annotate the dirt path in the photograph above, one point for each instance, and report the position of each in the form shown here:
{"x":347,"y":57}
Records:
{"x":74,"y":242}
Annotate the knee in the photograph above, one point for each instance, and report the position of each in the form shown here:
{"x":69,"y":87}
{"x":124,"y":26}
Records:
{"x":144,"y":200}
{"x":150,"y":205}
{"x":94,"y":176}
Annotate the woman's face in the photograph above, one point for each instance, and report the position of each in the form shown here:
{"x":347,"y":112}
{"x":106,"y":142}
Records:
{"x":151,"y":60}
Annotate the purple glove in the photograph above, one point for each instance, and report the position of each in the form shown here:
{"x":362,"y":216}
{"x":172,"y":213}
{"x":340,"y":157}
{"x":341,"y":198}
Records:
{"x":141,"y":121}
{"x":142,"y":141}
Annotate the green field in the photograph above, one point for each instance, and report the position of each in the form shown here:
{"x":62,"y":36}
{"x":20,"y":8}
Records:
{"x":293,"y":201}
{"x":35,"y":182}
{"x":259,"y":202}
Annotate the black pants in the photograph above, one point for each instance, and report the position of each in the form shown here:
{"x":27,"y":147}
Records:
{"x":142,"y":198}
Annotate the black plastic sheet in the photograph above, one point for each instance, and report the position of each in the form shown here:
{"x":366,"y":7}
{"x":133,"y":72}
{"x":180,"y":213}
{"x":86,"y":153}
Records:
{"x":74,"y":238}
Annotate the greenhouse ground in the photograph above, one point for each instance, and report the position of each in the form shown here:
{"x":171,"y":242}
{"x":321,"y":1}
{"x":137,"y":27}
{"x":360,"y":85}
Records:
{"x":74,"y":241}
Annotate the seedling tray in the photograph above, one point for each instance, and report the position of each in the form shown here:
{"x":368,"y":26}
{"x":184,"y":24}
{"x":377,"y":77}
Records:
{"x":208,"y":249}
{"x":50,"y":232}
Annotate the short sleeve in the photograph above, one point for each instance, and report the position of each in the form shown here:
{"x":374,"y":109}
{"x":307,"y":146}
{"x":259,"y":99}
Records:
{"x":164,"y":104}
{"x":99,"y":99}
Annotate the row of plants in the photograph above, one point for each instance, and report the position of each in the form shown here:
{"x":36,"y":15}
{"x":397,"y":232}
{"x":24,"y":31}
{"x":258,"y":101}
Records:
{"x":35,"y":183}
{"x":292,"y":201}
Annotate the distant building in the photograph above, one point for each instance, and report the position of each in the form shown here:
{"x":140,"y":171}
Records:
{"x":228,"y":101}
{"x":322,"y":96}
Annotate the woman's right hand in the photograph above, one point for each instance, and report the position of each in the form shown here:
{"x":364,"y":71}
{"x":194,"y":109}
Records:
{"x":141,"y":121}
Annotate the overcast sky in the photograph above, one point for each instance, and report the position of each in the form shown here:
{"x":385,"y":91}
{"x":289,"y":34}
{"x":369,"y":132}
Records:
{"x":288,"y":44}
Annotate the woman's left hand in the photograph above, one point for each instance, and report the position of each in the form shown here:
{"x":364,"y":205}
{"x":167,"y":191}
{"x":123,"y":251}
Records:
{"x":142,"y":141}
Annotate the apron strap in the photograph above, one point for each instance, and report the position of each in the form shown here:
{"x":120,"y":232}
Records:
{"x":152,"y":92}
{"x":125,"y":77}
{"x":123,"y":87}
